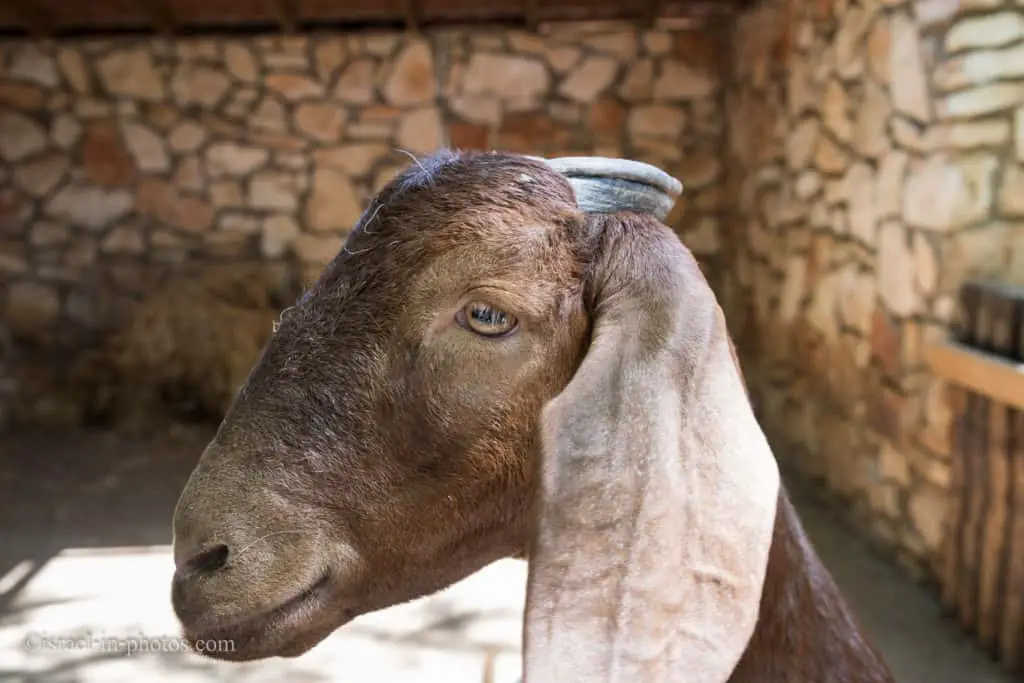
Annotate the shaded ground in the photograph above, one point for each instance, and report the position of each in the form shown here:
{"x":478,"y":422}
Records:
{"x":84,"y":534}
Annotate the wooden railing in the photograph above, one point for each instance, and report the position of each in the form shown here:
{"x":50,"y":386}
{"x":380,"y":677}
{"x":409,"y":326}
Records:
{"x":983,"y":575}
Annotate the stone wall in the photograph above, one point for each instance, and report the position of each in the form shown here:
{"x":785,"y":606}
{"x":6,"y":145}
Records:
{"x":123,"y":160}
{"x":847,"y":166}
{"x":874,"y":151}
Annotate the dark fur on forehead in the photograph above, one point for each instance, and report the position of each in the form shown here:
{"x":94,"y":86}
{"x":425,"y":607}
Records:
{"x":476,"y":173}
{"x":503,"y":202}
{"x":461,"y":198}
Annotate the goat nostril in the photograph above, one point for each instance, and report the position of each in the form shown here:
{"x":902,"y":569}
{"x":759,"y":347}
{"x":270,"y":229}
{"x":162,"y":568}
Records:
{"x":207,"y":561}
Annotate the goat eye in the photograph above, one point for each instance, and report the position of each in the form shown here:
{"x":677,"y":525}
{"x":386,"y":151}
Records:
{"x":486,"y":321}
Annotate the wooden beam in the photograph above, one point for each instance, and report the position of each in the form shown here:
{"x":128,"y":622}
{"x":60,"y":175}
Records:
{"x":410,"y":13}
{"x":531,"y":14}
{"x":651,"y":9}
{"x":287,"y":17}
{"x":161,"y":14}
{"x":997,"y":378}
{"x":38,"y":18}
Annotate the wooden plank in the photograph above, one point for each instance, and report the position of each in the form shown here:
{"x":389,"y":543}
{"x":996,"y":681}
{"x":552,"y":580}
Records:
{"x":410,"y":15}
{"x":983,"y":570}
{"x":966,"y":311}
{"x":36,"y":17}
{"x":976,"y":471}
{"x":950,"y":578}
{"x":291,"y":15}
{"x":650,"y":11}
{"x":531,"y":13}
{"x":963,"y":329}
{"x":973,"y":510}
{"x":997,"y":516}
{"x":160,"y":14}
{"x":984,"y":373}
{"x":286,"y":15}
{"x":1011,"y":637}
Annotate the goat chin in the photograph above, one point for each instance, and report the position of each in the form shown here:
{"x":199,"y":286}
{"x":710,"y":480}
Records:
{"x":805,"y":631}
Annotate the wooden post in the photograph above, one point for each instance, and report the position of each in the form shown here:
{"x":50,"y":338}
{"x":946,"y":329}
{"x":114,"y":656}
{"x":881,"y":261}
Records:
{"x":993,"y":546}
{"x":976,"y":473}
{"x":963,"y":332}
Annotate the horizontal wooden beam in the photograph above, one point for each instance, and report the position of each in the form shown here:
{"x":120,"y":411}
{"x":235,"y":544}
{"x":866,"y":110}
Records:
{"x":410,"y":16}
{"x":37,"y":18}
{"x":160,"y":14}
{"x":62,"y":18}
{"x":531,"y":14}
{"x":650,"y":13}
{"x":997,"y":378}
{"x":286,"y":15}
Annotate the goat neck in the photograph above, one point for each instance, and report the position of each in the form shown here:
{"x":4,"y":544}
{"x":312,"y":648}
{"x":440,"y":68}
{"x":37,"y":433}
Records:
{"x":805,"y":633}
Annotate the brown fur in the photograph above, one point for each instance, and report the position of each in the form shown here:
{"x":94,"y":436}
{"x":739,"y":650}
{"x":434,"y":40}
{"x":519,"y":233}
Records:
{"x":379,"y":451}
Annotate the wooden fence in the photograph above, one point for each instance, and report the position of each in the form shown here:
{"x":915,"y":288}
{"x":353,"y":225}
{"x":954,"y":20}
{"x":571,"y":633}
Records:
{"x":983,"y":575}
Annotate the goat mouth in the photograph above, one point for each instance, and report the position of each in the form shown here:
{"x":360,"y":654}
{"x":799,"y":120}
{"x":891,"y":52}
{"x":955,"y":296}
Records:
{"x":283,"y":630}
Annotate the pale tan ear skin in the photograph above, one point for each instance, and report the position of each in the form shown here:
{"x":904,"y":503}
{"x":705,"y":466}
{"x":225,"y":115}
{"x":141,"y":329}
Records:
{"x":657,"y":491}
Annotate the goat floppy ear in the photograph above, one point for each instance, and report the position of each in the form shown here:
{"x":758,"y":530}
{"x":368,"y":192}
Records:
{"x":657,"y":490}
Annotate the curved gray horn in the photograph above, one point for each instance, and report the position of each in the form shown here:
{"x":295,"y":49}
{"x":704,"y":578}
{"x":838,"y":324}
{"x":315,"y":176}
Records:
{"x":604,"y":185}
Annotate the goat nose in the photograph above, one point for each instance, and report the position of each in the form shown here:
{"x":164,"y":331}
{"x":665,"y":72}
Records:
{"x":205,"y":561}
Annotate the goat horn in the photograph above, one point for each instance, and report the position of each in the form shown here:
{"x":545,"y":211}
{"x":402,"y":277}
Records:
{"x":605,"y":184}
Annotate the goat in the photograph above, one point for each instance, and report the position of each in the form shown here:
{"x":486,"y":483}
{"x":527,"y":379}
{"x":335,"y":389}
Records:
{"x":487,"y":370}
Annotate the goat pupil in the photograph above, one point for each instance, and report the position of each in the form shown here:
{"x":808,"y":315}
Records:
{"x":488,"y":316}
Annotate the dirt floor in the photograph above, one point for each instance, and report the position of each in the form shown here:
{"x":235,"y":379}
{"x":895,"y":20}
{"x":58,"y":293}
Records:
{"x":84,"y":534}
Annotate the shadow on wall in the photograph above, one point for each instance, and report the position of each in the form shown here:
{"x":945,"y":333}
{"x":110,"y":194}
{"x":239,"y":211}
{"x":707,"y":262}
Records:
{"x":180,"y":352}
{"x":122,"y":161}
